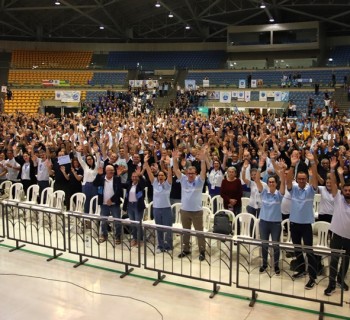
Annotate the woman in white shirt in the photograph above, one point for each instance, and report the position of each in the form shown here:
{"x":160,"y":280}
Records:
{"x":90,"y":167}
{"x":254,"y":204}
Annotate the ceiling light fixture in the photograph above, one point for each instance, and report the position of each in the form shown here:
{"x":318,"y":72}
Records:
{"x":262,"y":5}
{"x":170,"y":15}
{"x":57,"y":3}
{"x":272,"y":19}
{"x":102,"y":27}
{"x":188,"y":27}
{"x":157,"y":4}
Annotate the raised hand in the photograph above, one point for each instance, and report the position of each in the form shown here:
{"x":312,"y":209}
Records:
{"x":309,"y":155}
{"x":340,"y":171}
{"x":333,"y":163}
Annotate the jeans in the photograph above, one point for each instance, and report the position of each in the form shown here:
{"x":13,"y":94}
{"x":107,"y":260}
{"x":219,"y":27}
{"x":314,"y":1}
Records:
{"x":90,"y":191}
{"x":113,"y":211}
{"x":338,"y":242}
{"x":268,"y":228}
{"x":163,"y":216}
{"x":135,"y":215}
{"x":303,"y":232}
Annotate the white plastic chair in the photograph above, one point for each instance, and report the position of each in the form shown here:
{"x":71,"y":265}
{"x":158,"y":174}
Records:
{"x":316,"y":205}
{"x":176,"y":207}
{"x":207,"y":214}
{"x":77,"y":202}
{"x":147,"y":217}
{"x":32,"y":194}
{"x":58,"y":199}
{"x":16,"y":192}
{"x":244,"y":220}
{"x":94,"y":204}
{"x":206,"y":200}
{"x":6,"y":186}
{"x":219,"y":201}
{"x":46,"y":196}
{"x":323,"y":242}
{"x":245,"y":202}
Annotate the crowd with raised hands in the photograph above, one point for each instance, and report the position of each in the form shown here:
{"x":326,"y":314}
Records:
{"x":279,"y":163}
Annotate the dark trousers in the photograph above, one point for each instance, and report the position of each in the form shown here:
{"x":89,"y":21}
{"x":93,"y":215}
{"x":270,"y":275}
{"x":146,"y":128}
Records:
{"x":187,"y":219}
{"x":303,"y":232}
{"x":338,"y":242}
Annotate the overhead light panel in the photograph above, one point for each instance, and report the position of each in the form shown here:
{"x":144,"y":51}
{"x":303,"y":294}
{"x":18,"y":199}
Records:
{"x":170,"y":15}
{"x":157,"y":4}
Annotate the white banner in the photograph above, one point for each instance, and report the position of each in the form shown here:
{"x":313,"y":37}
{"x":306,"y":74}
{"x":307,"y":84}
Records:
{"x":190,"y":84}
{"x":277,"y":95}
{"x":241,"y":84}
{"x":240,"y":96}
{"x":262,"y":96}
{"x":213,"y":95}
{"x":225,"y":96}
{"x":247,"y":96}
{"x":68,"y":96}
{"x":285,"y":96}
{"x":3,"y":89}
{"x":234,"y":95}
{"x":151,"y":83}
{"x":206,"y":83}
{"x":253,"y":83}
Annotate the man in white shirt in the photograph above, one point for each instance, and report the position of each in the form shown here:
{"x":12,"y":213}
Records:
{"x":12,"y":167}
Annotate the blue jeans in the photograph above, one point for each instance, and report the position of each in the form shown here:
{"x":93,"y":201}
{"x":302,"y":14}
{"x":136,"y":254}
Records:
{"x":113,"y":211}
{"x":268,"y":228}
{"x":135,"y":215}
{"x":163,"y":216}
{"x":90,"y":191}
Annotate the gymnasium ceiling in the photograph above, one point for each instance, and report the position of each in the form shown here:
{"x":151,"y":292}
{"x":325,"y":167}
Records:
{"x":140,"y":21}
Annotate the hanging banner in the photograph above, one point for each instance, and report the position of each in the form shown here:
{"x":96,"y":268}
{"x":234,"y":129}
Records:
{"x":234,"y":95}
{"x":151,"y":83}
{"x":278,"y":96}
{"x":213,"y":95}
{"x":190,"y":84}
{"x":206,"y":83}
{"x":68,"y":96}
{"x":285,"y":96}
{"x":262,"y":96}
{"x":3,"y":89}
{"x":241,"y":96}
{"x":225,"y":97}
{"x":253,"y":83}
{"x":241,"y":84}
{"x":247,"y":96}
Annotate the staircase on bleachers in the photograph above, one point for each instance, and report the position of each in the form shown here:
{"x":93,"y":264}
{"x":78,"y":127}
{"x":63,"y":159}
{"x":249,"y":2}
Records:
{"x":340,"y":95}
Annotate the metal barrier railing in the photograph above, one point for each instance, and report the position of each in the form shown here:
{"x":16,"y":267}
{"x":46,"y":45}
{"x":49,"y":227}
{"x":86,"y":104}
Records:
{"x":84,"y":234}
{"x":283,"y":284}
{"x":2,"y":223}
{"x":34,"y":224}
{"x":216,"y":268}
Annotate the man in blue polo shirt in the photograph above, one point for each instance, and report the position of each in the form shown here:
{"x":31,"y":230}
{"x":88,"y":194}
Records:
{"x":302,"y":215}
{"x":191,"y":201}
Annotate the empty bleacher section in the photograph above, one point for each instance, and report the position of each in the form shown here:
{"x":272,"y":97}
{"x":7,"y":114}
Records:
{"x":21,"y":77}
{"x":147,"y":60}
{"x":340,"y":56}
{"x":29,"y":101}
{"x":51,"y":59}
{"x":109,"y":78}
{"x":270,"y":78}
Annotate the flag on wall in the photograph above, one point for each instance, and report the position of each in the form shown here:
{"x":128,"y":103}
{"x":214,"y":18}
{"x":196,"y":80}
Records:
{"x":225,"y":97}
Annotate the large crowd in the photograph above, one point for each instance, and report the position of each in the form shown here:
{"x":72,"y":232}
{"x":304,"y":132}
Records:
{"x":177,"y":155}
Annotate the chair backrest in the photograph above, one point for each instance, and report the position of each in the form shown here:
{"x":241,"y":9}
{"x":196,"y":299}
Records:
{"x":46,"y":196}
{"x":206,"y":200}
{"x":245,"y":221}
{"x":217,"y":203}
{"x":58,"y":199}
{"x":285,"y":232}
{"x":207,"y":214}
{"x":245,"y":202}
{"x":322,"y":233}
{"x":148,"y":211}
{"x":176,"y":208}
{"x":6,"y":185}
{"x":77,"y":202}
{"x":317,"y":199}
{"x":94,"y":208}
{"x":16,"y":191}
{"x":33,"y":193}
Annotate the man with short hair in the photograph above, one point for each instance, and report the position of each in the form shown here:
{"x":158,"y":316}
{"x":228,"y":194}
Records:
{"x":191,"y":202}
{"x":302,"y":215}
{"x":340,"y":227}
